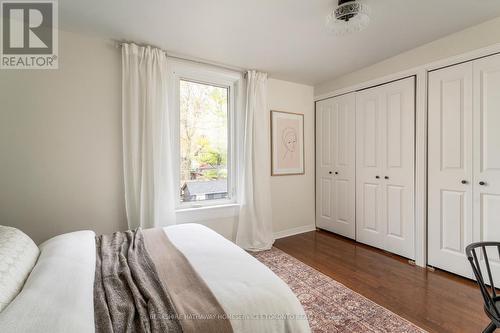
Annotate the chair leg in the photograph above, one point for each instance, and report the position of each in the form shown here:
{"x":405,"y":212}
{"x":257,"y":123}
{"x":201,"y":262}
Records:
{"x":491,"y":328}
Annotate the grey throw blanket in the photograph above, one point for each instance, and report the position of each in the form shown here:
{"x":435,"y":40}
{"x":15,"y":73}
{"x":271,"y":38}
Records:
{"x":128,"y":293}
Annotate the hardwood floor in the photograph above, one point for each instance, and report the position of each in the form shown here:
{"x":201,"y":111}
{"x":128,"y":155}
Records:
{"x":435,"y":301}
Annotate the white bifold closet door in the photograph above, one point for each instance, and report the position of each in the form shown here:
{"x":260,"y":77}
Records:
{"x":464,"y":163}
{"x":335,"y":165}
{"x":450,"y":168}
{"x":385,"y":149}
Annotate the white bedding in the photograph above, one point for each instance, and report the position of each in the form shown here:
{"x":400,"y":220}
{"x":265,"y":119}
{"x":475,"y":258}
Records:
{"x":242,"y":285}
{"x":58,"y":295}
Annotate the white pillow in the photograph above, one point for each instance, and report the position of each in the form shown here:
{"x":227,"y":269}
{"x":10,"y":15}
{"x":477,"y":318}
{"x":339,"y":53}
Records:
{"x":58,"y":295}
{"x":18,"y":255}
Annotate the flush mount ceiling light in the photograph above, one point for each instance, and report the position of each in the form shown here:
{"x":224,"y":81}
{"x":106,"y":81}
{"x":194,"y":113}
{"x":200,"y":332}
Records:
{"x":349,"y":16}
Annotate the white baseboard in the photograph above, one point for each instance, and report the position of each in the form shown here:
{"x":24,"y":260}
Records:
{"x":294,"y":231}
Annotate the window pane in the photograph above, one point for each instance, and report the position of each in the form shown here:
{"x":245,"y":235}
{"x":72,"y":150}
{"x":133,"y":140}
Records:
{"x":203,"y":136}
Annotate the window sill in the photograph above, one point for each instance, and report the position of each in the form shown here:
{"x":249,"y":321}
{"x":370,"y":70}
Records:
{"x":206,"y":213}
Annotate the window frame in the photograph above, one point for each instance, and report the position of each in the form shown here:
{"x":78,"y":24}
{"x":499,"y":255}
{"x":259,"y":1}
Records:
{"x":210,"y":75}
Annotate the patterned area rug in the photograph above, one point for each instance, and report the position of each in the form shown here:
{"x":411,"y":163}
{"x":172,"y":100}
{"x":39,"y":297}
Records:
{"x":329,"y":305}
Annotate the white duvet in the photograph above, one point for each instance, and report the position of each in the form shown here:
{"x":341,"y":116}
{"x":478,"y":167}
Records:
{"x":58,"y":295}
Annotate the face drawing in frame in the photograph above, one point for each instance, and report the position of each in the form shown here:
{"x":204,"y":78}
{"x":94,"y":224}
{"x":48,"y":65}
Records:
{"x":289,"y":140}
{"x":288,"y":146}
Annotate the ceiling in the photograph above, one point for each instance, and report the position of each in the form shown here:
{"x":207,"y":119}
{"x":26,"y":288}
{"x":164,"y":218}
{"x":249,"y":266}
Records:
{"x":286,"y":38}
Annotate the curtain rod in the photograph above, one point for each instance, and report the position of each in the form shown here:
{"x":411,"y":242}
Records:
{"x":172,"y":55}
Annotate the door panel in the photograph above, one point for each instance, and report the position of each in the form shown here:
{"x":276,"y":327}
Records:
{"x":370,"y":131}
{"x":452,"y":224}
{"x":371,"y":202}
{"x":335,"y":172}
{"x":452,"y":124}
{"x":385,"y":118}
{"x":394,"y":130}
{"x":370,"y":226}
{"x":395,"y":219}
{"x":490,"y":213}
{"x":326,"y":198}
{"x":450,"y":163}
{"x":342,"y":201}
{"x":342,"y":135}
{"x":399,"y":167}
{"x":324,"y":119}
{"x":486,"y":146}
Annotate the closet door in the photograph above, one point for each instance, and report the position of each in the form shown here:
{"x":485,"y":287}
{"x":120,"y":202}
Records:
{"x":370,"y":118}
{"x":486,"y":146}
{"x":399,"y":164}
{"x":335,"y":174}
{"x":450,"y":168}
{"x":385,"y":118}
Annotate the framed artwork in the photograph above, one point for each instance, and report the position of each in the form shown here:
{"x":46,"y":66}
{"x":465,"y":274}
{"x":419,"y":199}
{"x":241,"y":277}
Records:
{"x":287,"y":143}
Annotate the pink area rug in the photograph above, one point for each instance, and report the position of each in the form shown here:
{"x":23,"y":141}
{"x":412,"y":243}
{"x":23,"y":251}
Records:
{"x":329,"y":305}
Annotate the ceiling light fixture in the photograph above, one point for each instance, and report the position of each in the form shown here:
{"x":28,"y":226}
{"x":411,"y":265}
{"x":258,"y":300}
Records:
{"x":349,"y":16}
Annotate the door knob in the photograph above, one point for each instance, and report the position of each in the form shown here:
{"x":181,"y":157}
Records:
{"x":482,"y":183}
{"x":386,"y":177}
{"x":377,"y":177}
{"x":464,"y":182}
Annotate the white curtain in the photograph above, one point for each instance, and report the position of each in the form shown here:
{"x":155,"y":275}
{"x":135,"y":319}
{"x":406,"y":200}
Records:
{"x":255,"y":232}
{"x":147,"y":138}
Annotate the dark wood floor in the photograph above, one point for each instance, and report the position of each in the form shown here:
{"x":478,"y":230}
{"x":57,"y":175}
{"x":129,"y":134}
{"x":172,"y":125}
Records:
{"x":435,"y":301}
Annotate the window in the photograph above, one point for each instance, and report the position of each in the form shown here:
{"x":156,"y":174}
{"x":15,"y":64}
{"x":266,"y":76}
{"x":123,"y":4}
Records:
{"x":204,"y":103}
{"x":203,"y":141}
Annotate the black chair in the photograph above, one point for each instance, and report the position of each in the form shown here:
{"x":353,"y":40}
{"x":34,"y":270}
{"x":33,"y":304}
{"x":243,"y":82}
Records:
{"x":491,"y":300}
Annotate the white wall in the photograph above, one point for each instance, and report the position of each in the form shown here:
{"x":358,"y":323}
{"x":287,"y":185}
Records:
{"x":470,"y":39}
{"x":60,"y":142}
{"x":61,"y":152}
{"x":293,"y":197}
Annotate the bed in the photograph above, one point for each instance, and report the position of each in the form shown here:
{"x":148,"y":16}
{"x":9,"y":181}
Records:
{"x":58,"y":295}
